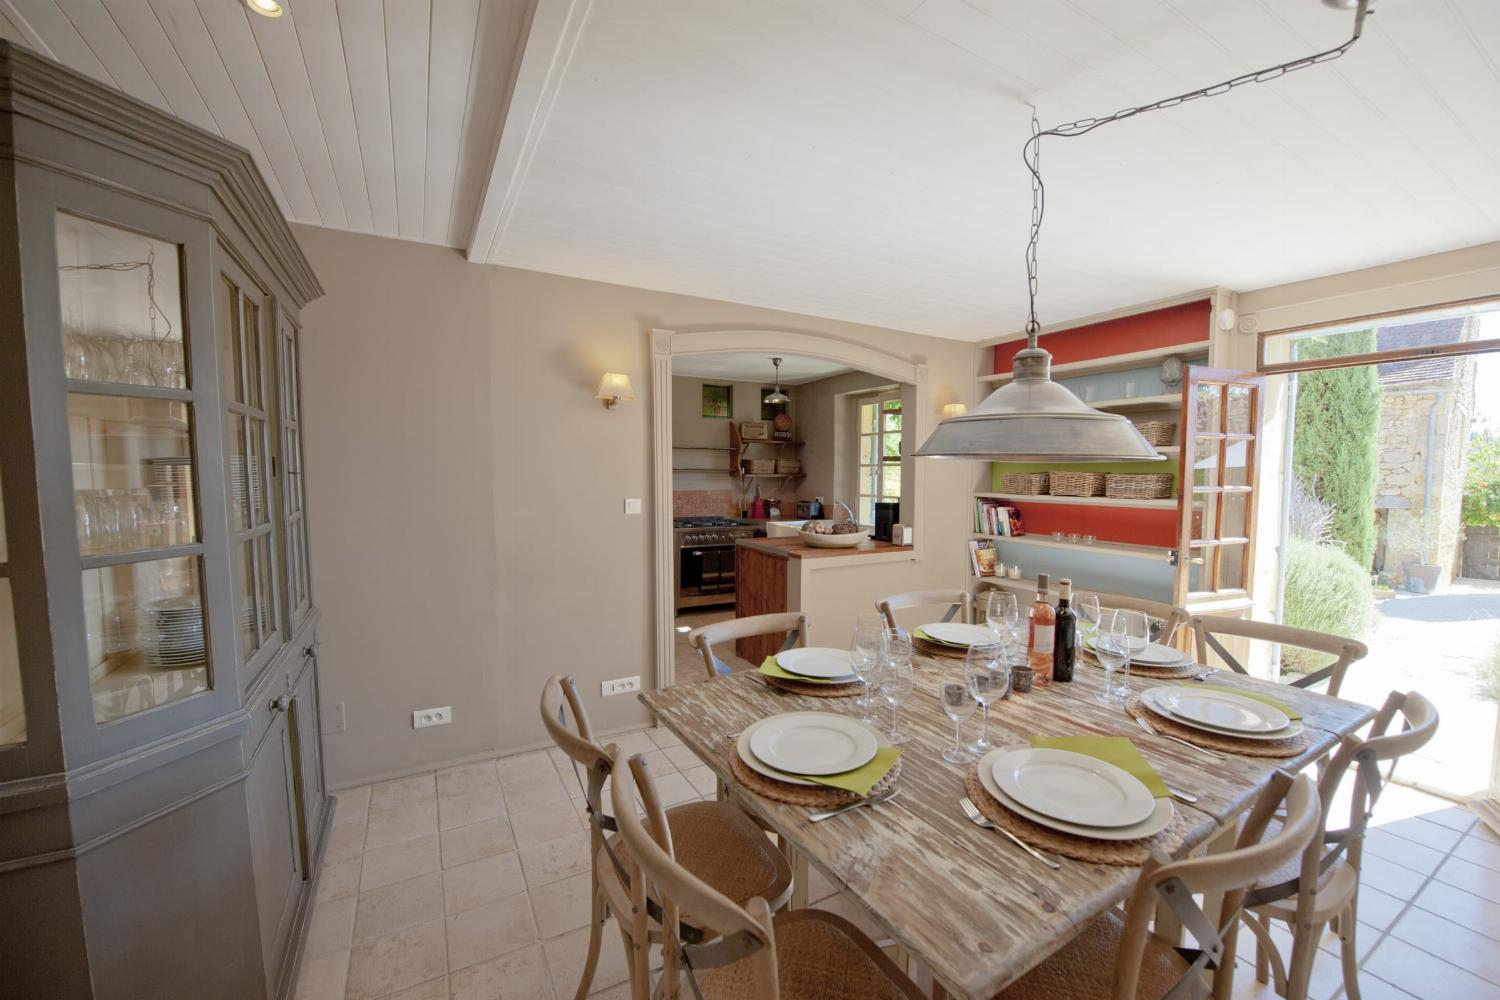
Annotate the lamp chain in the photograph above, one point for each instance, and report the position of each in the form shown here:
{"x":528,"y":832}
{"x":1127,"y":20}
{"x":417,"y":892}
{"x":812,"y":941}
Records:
{"x":1031,"y":153}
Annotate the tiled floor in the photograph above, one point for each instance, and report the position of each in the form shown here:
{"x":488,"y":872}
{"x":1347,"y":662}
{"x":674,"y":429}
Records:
{"x":473,"y":883}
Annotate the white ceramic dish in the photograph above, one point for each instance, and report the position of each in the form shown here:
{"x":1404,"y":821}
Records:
{"x":742,"y":746}
{"x":847,"y":541}
{"x":1150,"y":699}
{"x":1221,"y":709}
{"x":1158,"y":821}
{"x":813,"y":743}
{"x":1073,"y":787}
{"x":960,"y":634}
{"x":817,"y":661}
{"x":1137,"y":647}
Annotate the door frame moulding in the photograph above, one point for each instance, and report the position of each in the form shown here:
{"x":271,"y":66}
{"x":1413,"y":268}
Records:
{"x":668,"y":344}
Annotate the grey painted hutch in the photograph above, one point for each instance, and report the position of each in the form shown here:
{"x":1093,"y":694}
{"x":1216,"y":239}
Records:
{"x":162,"y":803}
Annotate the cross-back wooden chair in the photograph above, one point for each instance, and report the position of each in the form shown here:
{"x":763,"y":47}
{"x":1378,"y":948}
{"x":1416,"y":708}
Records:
{"x":1207,"y":629}
{"x":1322,"y":887}
{"x":717,"y":841}
{"x":706,"y":637}
{"x":732,"y":949}
{"x":959,"y":604}
{"x":1118,"y":958}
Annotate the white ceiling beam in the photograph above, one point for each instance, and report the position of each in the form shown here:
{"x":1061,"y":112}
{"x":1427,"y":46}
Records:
{"x":546,"y":50}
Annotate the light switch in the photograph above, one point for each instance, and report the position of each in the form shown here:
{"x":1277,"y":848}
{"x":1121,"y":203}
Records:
{"x":632,"y":505}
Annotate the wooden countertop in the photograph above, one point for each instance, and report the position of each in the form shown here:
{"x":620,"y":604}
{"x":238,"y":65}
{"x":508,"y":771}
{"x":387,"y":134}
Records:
{"x":796,"y":548}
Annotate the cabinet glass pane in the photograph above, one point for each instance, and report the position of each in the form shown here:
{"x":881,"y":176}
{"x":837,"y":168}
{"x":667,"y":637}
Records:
{"x":132,"y":473}
{"x":238,"y":465}
{"x":252,"y":353}
{"x":12,"y":709}
{"x":266,"y":572}
{"x":146,"y":638}
{"x":243,"y":569}
{"x":293,"y":471}
{"x":230,"y":344}
{"x":121,"y":298}
{"x":255,"y":471}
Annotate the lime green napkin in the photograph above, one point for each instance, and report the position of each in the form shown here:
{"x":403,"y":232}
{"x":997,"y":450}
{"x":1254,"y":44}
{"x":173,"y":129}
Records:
{"x":1290,"y":713}
{"x":771,"y":668}
{"x":861,"y":779}
{"x":1116,"y":750}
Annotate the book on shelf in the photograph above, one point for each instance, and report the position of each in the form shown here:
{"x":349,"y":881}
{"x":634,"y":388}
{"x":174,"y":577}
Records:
{"x":982,"y":557}
{"x":995,"y":517}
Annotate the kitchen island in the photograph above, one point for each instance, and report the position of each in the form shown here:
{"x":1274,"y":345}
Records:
{"x":829,"y":585}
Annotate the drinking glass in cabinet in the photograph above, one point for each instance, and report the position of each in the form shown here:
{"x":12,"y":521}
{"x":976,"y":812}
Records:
{"x":147,"y":643}
{"x":132,"y":473}
{"x":121,"y":297}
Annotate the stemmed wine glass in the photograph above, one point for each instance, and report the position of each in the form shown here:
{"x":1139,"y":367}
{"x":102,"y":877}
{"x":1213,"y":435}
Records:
{"x":865,"y":651}
{"x":1121,"y":633}
{"x":987,"y":675}
{"x":958,"y":705}
{"x":896,"y":681}
{"x":1086,"y":607}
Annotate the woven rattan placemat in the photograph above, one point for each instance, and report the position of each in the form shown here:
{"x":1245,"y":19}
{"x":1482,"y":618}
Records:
{"x":1246,"y":748}
{"x":812,"y":796}
{"x":938,"y":649}
{"x":851,"y":690}
{"x":1124,"y":853}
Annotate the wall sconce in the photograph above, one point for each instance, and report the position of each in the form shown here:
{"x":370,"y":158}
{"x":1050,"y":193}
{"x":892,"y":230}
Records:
{"x":954,"y":410}
{"x":614,"y":387}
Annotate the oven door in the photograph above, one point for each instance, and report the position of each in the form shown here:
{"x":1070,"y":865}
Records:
{"x":705,"y":574}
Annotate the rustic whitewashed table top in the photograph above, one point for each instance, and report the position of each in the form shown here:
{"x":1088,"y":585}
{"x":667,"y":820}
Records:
{"x":976,"y":910}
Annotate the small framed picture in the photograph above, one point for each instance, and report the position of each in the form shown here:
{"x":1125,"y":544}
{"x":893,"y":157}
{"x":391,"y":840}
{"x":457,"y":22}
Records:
{"x":718,"y":401}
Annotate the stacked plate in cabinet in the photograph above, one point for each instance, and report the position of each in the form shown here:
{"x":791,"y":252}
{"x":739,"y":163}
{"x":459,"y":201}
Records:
{"x":1221,"y":711}
{"x":172,"y":636}
{"x":1073,"y":793}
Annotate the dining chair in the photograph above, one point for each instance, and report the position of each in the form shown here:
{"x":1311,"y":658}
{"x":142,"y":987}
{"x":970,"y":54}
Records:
{"x":959,"y":604}
{"x":717,"y":841}
{"x":729,"y":948}
{"x":706,"y":637}
{"x":1322,"y":887}
{"x":1208,"y":628}
{"x":1117,"y":957}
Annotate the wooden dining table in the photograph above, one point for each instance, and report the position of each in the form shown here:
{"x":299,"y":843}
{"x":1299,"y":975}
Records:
{"x":973,"y":908}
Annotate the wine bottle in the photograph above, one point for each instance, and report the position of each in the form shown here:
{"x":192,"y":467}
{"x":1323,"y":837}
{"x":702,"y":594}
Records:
{"x":1065,"y":636}
{"x":1040,"y":640}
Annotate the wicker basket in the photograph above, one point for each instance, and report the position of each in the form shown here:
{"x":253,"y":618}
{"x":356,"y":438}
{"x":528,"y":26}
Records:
{"x":1158,"y":432}
{"x":788,"y":466}
{"x":1031,"y":484}
{"x":1076,"y":484}
{"x":759,"y":466}
{"x":1149,"y":486}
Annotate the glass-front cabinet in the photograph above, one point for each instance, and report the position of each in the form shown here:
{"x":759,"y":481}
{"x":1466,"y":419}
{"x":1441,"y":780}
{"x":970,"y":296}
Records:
{"x":158,"y":717}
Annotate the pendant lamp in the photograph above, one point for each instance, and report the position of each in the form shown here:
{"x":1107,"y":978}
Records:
{"x":777,"y":397}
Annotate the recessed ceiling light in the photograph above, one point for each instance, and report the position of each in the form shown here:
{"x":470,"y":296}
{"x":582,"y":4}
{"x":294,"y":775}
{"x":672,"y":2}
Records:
{"x":265,"y":8}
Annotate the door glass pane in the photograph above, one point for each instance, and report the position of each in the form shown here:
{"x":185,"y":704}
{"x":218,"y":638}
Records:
{"x":1232,"y":567}
{"x":1206,"y":462}
{"x":266,"y":572}
{"x":866,"y":510}
{"x":890,"y":481}
{"x":1208,"y":415}
{"x":12,"y":709}
{"x":1236,"y":466}
{"x":252,"y":353}
{"x":132,"y":473}
{"x":146,"y":640}
{"x":867,"y":415}
{"x":231,"y":344}
{"x":1240,"y":400}
{"x":1205,"y":517}
{"x":1236,"y":511}
{"x":121,"y":298}
{"x":891,"y":421}
{"x":891,"y":446}
{"x":242,"y":569}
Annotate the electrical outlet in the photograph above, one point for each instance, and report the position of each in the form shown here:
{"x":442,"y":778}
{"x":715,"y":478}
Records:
{"x":620,"y":685}
{"x":632,"y":505}
{"x":333,"y":718}
{"x":424,"y":717}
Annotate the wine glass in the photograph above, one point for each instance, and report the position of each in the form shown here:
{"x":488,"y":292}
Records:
{"x":958,"y":705}
{"x":1121,"y":632}
{"x":1001,"y":613}
{"x":865,"y":650}
{"x":895,"y":685}
{"x":987,"y":675}
{"x":1086,"y":607}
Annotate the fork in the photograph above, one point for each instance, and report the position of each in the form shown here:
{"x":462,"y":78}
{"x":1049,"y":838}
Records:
{"x":1204,"y":675}
{"x":980,"y":819}
{"x":875,"y":800}
{"x":1213,"y":755}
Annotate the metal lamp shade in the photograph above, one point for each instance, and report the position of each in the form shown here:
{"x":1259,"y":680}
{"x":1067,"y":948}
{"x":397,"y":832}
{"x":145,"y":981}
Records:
{"x":1033,"y":419}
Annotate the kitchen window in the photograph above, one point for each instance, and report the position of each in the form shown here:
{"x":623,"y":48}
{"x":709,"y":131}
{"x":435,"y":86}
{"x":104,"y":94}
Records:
{"x":879,"y":450}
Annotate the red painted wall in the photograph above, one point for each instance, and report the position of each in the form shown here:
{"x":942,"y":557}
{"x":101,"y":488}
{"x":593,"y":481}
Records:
{"x":1129,"y":525}
{"x":1184,"y":324}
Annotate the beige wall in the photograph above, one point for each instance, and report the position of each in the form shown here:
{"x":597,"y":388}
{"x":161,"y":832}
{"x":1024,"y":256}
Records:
{"x":465,"y":490}
{"x":691,"y":427}
{"x":827,"y":425}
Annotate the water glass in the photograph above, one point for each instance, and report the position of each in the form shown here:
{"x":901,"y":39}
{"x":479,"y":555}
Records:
{"x":1120,"y":633}
{"x":895,"y":686}
{"x":958,"y":705}
{"x":1002,"y":614}
{"x":865,"y":651}
{"x":987,"y":676}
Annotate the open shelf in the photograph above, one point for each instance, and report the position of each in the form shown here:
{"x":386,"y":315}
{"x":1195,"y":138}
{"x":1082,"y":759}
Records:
{"x":698,"y":447}
{"x":1113,"y":363}
{"x":1103,"y":548}
{"x":1168,"y":504}
{"x":1165,"y":401}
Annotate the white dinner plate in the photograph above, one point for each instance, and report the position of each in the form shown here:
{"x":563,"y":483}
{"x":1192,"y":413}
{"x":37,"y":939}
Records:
{"x":1136,"y":647}
{"x":742,"y":746}
{"x":1158,"y":821}
{"x":1151,"y":699}
{"x":815,"y":661}
{"x":1073,"y":787}
{"x":1222,"y":709}
{"x":813,"y":743}
{"x":960,"y":634}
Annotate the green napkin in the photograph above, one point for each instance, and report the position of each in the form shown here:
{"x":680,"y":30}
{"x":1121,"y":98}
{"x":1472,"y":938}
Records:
{"x":1290,"y":713}
{"x":1116,"y":750}
{"x":920,"y":634}
{"x":861,"y":779}
{"x":771,"y":668}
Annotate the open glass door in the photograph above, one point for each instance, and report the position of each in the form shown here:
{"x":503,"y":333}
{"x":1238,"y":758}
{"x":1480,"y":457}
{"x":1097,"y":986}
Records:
{"x":1221,"y":416}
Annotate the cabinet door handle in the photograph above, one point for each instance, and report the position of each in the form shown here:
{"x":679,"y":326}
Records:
{"x":281,"y":704}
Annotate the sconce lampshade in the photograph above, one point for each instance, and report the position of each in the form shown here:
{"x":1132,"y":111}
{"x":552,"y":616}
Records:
{"x":613,"y":387}
{"x":954,"y":410}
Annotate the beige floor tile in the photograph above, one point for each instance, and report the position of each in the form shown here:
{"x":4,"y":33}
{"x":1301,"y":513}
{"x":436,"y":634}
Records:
{"x":351,"y":806}
{"x":477,"y":840}
{"x":565,"y":957}
{"x":345,"y":842}
{"x":1466,"y":948}
{"x":551,"y":860}
{"x":526,"y":793}
{"x":1479,"y":851}
{"x":663,"y":737}
{"x":1474,"y":912}
{"x":433,"y":989}
{"x":683,"y":758}
{"x":534,"y":826}
{"x":632,"y":743}
{"x":398,"y":961}
{"x":703,"y":780}
{"x":517,"y":975}
{"x":399,"y":862}
{"x":1420,"y":831}
{"x":1425,"y":976}
{"x":402,"y":904}
{"x":1378,"y":909}
{"x":490,"y":930}
{"x":1406,"y":853}
{"x":1454,"y":818}
{"x":322,"y":977}
{"x":619,"y":991}
{"x":660,"y":763}
{"x":1390,"y":877}
{"x":388,"y":795}
{"x":673,"y":789}
{"x":1470,"y":877}
{"x":564,"y":906}
{"x":523,"y":767}
{"x":460,"y":810}
{"x":338,"y":878}
{"x":406,"y":821}
{"x":330,"y":927}
{"x":466,"y":779}
{"x":487,"y":880}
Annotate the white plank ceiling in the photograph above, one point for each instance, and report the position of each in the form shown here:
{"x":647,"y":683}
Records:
{"x":857,"y":159}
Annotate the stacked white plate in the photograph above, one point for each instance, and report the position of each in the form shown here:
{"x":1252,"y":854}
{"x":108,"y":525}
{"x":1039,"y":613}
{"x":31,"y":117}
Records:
{"x":1073,"y":793}
{"x":1221,"y":711}
{"x":819,"y":664}
{"x":959,"y":635}
{"x":794,"y":743}
{"x":1152,"y":654}
{"x":172,"y":635}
